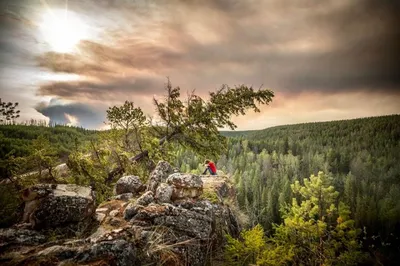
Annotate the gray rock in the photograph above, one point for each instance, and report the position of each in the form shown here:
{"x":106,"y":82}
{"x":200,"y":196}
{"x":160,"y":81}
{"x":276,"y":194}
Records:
{"x":49,"y":206}
{"x":24,"y":237}
{"x":131,"y":210}
{"x":159,"y":175}
{"x":146,"y":198}
{"x":187,"y":222}
{"x":123,"y":197}
{"x":185,"y":185}
{"x":60,"y":252}
{"x":129,"y":184}
{"x":117,"y":252}
{"x":180,"y":180}
{"x":164,"y":193}
{"x":193,"y":228}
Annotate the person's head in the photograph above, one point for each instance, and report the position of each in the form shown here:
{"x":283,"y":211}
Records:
{"x":207,"y":161}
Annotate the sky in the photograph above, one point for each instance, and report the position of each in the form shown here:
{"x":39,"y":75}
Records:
{"x":68,"y":61}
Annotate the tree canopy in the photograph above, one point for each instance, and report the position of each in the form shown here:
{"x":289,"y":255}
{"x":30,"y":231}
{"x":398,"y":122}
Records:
{"x":8,"y":112}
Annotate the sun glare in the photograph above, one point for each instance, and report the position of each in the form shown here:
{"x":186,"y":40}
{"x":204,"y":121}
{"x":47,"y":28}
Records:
{"x":62,"y":30}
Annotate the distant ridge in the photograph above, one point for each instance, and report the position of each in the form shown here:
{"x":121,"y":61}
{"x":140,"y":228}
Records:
{"x":250,"y":132}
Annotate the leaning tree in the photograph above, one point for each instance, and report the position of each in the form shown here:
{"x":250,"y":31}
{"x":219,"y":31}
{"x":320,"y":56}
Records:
{"x":193,"y":122}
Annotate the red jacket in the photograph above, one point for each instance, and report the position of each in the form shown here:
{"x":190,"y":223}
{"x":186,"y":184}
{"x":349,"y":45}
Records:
{"x":212,"y":167}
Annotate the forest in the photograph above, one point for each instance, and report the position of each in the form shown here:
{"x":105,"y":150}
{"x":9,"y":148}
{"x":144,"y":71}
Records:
{"x":360,"y":156}
{"x":357,"y":159}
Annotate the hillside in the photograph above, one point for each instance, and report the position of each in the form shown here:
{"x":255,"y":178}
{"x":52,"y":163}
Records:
{"x":361,"y":156}
{"x":18,"y":138}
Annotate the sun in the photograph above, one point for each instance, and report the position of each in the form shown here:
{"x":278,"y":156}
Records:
{"x":62,"y":30}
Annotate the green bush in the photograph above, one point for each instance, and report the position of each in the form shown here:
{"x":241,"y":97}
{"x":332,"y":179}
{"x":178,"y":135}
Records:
{"x":9,"y":205}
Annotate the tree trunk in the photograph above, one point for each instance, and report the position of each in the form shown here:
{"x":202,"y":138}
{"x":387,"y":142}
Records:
{"x":137,"y":158}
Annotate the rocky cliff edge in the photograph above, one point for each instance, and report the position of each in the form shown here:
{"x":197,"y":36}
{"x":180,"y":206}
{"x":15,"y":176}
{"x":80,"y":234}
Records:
{"x":174,"y":219}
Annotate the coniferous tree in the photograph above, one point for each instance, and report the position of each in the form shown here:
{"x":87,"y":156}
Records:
{"x":317,"y":230}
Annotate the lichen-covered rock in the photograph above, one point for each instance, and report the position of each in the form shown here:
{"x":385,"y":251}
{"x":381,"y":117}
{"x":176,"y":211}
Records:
{"x":49,"y":206}
{"x":117,"y":252}
{"x":11,"y":236}
{"x":159,"y":175}
{"x":185,"y":185}
{"x":59,"y":252}
{"x":220,"y":185}
{"x":123,"y":196}
{"x":164,"y":193}
{"x":131,"y":210}
{"x":187,"y":222}
{"x":160,"y":228}
{"x":146,"y":198}
{"x":129,"y":184}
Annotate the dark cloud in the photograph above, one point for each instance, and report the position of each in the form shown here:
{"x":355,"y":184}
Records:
{"x":117,"y":88}
{"x":352,"y":46}
{"x":364,"y":56}
{"x":72,"y":64}
{"x":72,"y":113}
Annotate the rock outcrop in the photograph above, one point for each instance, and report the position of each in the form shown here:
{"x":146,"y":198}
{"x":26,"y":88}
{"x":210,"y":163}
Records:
{"x":174,"y":225}
{"x":50,"y":206}
{"x":185,"y":185}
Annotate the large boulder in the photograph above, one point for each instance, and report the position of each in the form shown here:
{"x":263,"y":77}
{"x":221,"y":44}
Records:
{"x":185,"y":185}
{"x":198,"y":223}
{"x":159,"y":175}
{"x":129,"y":184}
{"x":50,"y":205}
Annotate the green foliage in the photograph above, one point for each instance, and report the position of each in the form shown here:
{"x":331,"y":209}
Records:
{"x":131,"y":121}
{"x":91,"y":163}
{"x":8,"y":112}
{"x":315,"y":231}
{"x":360,"y":155}
{"x":318,"y":230}
{"x":211,"y":195}
{"x":247,"y":250}
{"x":9,"y":205}
{"x":16,"y":144}
{"x":195,"y":123}
{"x":43,"y":156}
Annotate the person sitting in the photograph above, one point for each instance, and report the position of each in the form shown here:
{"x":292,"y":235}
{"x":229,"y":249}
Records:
{"x":210,"y":167}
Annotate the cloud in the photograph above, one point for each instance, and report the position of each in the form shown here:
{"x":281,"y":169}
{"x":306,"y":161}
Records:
{"x":70,"y":63}
{"x":328,"y":48}
{"x":76,"y":114}
{"x":112,"y":89}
